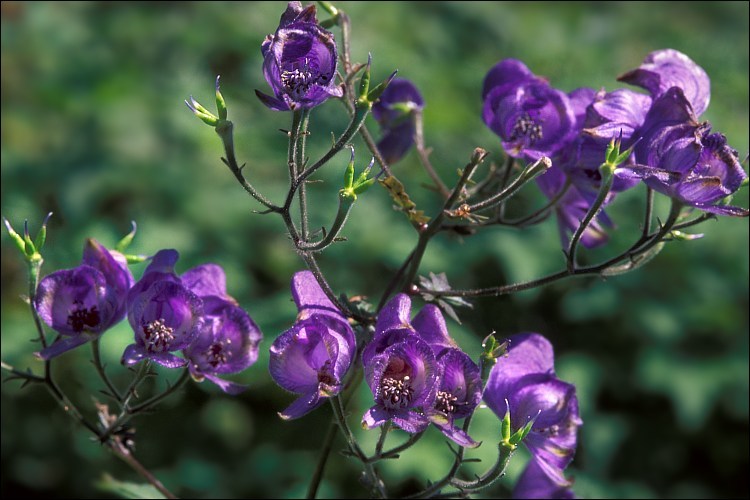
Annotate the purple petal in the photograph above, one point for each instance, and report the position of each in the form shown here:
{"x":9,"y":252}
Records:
{"x":272,"y":103}
{"x":167,"y":359}
{"x":396,"y":141}
{"x":663,"y":69}
{"x":300,"y":354}
{"x":375,"y":417}
{"x":430,"y":326}
{"x":206,"y":279}
{"x":528,"y":354}
{"x":231,"y":388}
{"x":724,"y":210}
{"x":133,"y":354}
{"x":410,"y":421}
{"x":506,"y":73}
{"x":411,"y":358}
{"x":310,"y":297}
{"x":400,"y":93}
{"x":458,"y":436}
{"x":302,"y":406}
{"x":541,"y":397}
{"x":461,"y":378}
{"x":64,"y":344}
{"x":534,"y":483}
{"x":395,"y":314}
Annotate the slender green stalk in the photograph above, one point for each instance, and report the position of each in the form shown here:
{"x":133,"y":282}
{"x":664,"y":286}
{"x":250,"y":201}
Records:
{"x":299,"y":163}
{"x":101,"y":371}
{"x":325,"y":452}
{"x":497,"y":471}
{"x":345,"y":206}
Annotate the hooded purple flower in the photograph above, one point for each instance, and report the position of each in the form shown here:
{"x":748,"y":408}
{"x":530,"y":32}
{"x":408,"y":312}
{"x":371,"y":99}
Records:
{"x":228,"y":341}
{"x":299,"y":61}
{"x":312,"y":358}
{"x":524,"y":382}
{"x":680,"y":158}
{"x":457,"y":386}
{"x":81,"y":303}
{"x":531,"y":118}
{"x":395,"y":111}
{"x":667,"y":68}
{"x":164,"y":314}
{"x":404,"y":379}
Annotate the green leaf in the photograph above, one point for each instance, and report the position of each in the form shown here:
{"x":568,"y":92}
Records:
{"x":127,"y":490}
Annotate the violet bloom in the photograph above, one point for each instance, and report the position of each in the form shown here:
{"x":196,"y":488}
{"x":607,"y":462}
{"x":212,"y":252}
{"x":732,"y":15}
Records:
{"x":404,"y":380}
{"x":667,"y":68}
{"x":83,"y":302}
{"x":524,"y":382}
{"x":680,"y":158}
{"x":395,"y":112}
{"x":299,"y":61}
{"x":531,"y":118}
{"x":164,"y":314}
{"x":312,"y":358}
{"x":459,"y":393}
{"x":412,"y":387}
{"x":228,"y":341}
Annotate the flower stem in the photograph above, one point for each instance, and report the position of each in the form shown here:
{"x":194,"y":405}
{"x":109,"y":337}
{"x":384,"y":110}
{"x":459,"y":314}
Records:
{"x":496,"y":472}
{"x":424,"y":155}
{"x":345,"y":206}
{"x":101,"y":371}
{"x":312,"y":489}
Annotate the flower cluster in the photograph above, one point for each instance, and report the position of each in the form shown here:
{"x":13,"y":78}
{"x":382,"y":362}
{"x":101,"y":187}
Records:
{"x":672,"y":152}
{"x":191,"y":313}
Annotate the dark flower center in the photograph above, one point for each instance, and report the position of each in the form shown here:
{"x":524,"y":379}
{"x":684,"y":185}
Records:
{"x":80,"y":317}
{"x":445,"y":402}
{"x":396,"y":393}
{"x":298,"y":81}
{"x":158,"y":335}
{"x":526,"y":127}
{"x":217,"y":354}
{"x":325,"y":376}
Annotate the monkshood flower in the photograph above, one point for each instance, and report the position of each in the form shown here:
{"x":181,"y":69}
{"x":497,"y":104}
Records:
{"x":680,"y":158}
{"x":404,"y":380}
{"x":459,"y":393}
{"x":532,"y":119}
{"x":395,"y":112}
{"x":228,"y":341}
{"x":83,"y":302}
{"x":667,"y":68}
{"x":164,"y":314}
{"x":524,"y":383}
{"x":299,"y":62}
{"x":572,"y":207}
{"x":414,"y":402}
{"x":312,"y":358}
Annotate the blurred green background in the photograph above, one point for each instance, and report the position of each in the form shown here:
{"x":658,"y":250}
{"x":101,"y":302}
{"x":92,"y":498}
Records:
{"x":95,"y":130}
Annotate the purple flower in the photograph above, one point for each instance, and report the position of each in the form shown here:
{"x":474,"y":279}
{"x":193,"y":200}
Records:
{"x":312,"y":358}
{"x":525,"y":383}
{"x":667,"y":68}
{"x":680,"y":158}
{"x":458,"y":394}
{"x":404,"y":379}
{"x":228,"y":341}
{"x":395,"y":112}
{"x":418,"y":374}
{"x":83,"y":302}
{"x":299,"y":61}
{"x":531,"y":118}
{"x":164,"y":314}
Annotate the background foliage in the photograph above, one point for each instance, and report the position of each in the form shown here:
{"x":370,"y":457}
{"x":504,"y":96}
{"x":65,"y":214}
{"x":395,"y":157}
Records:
{"x":94,"y":129}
